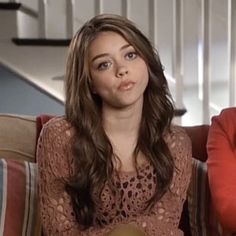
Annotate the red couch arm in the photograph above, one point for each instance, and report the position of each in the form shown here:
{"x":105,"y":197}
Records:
{"x":198,"y":135}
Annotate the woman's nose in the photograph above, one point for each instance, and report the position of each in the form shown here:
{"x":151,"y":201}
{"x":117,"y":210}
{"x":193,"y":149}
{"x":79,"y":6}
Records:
{"x":121,"y":71}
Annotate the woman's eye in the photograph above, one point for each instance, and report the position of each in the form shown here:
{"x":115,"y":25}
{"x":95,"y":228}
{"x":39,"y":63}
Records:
{"x":131,"y":55}
{"x":104,"y":65}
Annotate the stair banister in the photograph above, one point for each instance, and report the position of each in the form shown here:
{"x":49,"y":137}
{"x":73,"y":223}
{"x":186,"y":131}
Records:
{"x":232,"y":51}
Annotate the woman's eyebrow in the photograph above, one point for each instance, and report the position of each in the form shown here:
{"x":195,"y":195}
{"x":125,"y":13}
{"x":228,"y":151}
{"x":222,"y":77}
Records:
{"x":125,"y":46}
{"x":100,"y":55}
{"x":107,"y":54}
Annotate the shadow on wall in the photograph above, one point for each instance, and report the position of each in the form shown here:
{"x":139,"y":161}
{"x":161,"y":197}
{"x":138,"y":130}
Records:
{"x":19,"y":97}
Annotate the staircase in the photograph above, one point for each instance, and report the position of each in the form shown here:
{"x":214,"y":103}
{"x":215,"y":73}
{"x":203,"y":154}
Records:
{"x":39,"y":61}
{"x":195,"y":39}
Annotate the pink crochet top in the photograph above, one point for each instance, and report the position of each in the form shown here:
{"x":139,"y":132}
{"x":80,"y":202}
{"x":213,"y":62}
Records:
{"x":56,"y":166}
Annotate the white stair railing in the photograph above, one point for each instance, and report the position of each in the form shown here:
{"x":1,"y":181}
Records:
{"x":204,"y":59}
{"x":153,"y":20}
{"x":98,"y":7}
{"x":43,"y":19}
{"x":177,"y":51}
{"x":232,"y":51}
{"x":70,"y":16}
{"x":126,"y":8}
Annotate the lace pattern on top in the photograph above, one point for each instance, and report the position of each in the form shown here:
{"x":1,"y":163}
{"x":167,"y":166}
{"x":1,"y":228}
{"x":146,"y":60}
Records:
{"x":56,"y":166}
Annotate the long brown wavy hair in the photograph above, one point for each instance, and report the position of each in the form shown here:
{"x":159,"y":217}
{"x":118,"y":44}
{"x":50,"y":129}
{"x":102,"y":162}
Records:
{"x":91,"y":148}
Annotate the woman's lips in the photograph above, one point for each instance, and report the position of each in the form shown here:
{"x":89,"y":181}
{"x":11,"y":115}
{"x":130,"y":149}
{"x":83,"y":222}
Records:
{"x":126,"y":85}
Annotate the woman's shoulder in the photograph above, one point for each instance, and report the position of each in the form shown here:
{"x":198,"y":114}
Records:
{"x":230,"y":111}
{"x":178,"y":133}
{"x":226,"y":117}
{"x":54,"y":148}
{"x":179,"y":143}
{"x":57,"y":121}
{"x":57,"y":127}
{"x":224,"y":124}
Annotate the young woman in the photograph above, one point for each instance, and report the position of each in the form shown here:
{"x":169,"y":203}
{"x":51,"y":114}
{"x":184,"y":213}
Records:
{"x":114,"y":165}
{"x":222,"y":166}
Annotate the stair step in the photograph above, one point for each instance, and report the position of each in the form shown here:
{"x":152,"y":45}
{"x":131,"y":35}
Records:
{"x":17,"y":21}
{"x":41,"y":42}
{"x":9,"y":6}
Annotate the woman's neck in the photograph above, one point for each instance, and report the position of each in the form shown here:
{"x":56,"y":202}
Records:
{"x":122,"y":128}
{"x":122,"y":122}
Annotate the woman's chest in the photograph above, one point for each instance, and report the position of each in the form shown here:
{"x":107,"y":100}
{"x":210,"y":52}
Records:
{"x":132,"y":192}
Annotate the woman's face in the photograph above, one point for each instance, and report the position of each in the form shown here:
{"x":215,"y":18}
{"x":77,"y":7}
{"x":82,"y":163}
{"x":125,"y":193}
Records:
{"x":119,"y":75}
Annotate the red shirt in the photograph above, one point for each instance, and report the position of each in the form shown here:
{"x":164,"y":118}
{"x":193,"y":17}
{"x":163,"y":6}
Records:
{"x":222,"y":166}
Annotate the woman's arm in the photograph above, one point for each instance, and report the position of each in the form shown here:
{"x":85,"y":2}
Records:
{"x":54,"y":170}
{"x":222,"y":166}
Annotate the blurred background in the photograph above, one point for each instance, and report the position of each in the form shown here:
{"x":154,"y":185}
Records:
{"x":195,"y":39}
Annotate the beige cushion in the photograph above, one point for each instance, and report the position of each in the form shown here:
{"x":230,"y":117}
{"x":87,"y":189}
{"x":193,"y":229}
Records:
{"x":17,"y":137}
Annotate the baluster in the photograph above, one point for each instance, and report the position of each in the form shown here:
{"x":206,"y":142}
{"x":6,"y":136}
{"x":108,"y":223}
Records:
{"x":70,"y":14}
{"x":98,"y":7}
{"x":204,"y":59}
{"x":232,"y":51}
{"x":177,"y":51}
{"x":153,"y":21}
{"x":125,"y":8}
{"x":43,"y":19}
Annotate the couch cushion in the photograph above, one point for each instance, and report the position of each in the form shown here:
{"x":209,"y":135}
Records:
{"x":17,"y":137}
{"x":203,"y":220}
{"x":19,"y":214}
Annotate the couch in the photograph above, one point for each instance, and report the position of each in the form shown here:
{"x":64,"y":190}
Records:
{"x":19,"y":209}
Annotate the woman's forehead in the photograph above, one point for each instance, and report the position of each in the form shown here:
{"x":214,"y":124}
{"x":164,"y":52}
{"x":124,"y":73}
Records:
{"x":106,"y":42}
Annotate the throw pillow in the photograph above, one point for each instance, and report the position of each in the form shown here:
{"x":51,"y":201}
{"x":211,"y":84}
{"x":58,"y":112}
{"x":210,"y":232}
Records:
{"x":19,"y":214}
{"x":202,"y":216}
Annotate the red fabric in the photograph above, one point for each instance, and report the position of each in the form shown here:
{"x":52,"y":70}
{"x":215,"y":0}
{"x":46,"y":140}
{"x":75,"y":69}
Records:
{"x":15,"y":198}
{"x":222,"y":166}
{"x":198,"y":135}
{"x":40,"y":121}
{"x":19,"y":198}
